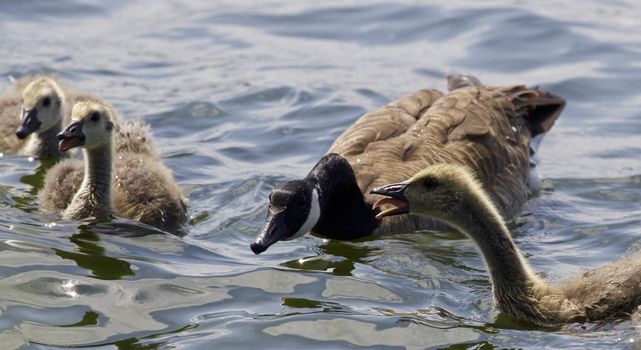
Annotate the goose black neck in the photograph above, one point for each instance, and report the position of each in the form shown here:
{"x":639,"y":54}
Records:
{"x":344,"y":212}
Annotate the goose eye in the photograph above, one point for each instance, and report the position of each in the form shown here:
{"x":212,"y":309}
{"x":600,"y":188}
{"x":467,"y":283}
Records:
{"x":47,"y":101}
{"x":430,"y":183}
{"x":95,"y":116}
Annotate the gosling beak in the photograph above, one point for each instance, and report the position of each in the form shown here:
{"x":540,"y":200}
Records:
{"x":71,"y":137}
{"x":395,"y":197}
{"x":28,"y":123}
{"x":273,"y":231}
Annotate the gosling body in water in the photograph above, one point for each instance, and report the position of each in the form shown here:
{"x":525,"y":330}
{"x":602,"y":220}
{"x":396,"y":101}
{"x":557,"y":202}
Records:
{"x":130,"y":182}
{"x":452,"y":194}
{"x":495,"y":131}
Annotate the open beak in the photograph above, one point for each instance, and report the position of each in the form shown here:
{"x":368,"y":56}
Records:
{"x":28,"y":123}
{"x":395,"y":197}
{"x":71,"y":137}
{"x":273,"y":231}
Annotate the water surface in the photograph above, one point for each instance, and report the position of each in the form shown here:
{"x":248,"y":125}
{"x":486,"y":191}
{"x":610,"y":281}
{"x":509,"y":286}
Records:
{"x":244,"y":95}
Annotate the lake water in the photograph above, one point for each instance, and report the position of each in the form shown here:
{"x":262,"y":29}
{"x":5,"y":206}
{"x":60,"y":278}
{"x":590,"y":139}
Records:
{"x":242,"y":95}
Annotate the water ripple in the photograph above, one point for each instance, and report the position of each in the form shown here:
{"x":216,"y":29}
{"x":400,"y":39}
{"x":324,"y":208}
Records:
{"x":243,"y":96}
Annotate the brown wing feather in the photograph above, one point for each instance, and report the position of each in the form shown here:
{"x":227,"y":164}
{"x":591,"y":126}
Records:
{"x":485,"y":128}
{"x":387,"y":122}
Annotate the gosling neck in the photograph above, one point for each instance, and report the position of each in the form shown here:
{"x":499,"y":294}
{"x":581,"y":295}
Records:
{"x":93,"y":198}
{"x":98,"y":170}
{"x":513,"y":282}
{"x":45,"y":143}
{"x":344,"y":213}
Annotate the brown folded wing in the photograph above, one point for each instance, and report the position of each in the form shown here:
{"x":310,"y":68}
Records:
{"x":485,"y":128}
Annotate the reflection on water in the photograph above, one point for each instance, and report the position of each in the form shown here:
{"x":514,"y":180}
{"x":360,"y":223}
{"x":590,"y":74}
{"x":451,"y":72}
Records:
{"x":242,"y":96}
{"x":356,"y":332}
{"x":91,"y":256}
{"x":120,"y":306}
{"x":337,"y":257}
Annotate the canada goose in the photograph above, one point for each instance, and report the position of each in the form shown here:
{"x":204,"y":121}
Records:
{"x":451,"y":193}
{"x":32,"y":113}
{"x":140,"y":187}
{"x":493,"y":130}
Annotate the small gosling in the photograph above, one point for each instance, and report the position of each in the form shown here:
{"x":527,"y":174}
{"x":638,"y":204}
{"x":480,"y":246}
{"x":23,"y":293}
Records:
{"x":32,"y":112}
{"x":130,"y":182}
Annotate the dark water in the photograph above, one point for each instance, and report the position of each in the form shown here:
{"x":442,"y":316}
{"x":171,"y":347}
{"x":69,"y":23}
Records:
{"x":243,"y":95}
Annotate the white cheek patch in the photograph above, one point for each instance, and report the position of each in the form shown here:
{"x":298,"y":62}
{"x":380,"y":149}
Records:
{"x":534,"y":177}
{"x":312,"y":217}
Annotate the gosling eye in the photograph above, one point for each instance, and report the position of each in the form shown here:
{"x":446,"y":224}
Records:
{"x":46,"y":101}
{"x":430,"y":183}
{"x":95,"y":116}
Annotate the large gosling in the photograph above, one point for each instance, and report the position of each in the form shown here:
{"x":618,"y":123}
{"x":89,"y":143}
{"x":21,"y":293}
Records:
{"x":450,"y":193}
{"x":139,"y":186}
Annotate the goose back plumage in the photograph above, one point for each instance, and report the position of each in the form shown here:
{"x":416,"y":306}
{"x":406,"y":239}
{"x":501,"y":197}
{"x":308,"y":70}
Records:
{"x":486,"y":128}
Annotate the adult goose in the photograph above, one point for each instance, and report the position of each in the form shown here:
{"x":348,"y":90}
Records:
{"x":32,"y":113}
{"x":495,"y":131}
{"x":129,"y":180}
{"x":452,"y":194}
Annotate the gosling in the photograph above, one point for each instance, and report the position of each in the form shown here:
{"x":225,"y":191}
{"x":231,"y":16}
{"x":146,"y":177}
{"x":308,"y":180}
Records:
{"x":451,"y":193}
{"x":139,"y":187}
{"x":32,"y":113}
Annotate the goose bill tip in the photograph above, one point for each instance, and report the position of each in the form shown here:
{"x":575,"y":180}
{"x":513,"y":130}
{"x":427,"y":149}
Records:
{"x":257,"y":248}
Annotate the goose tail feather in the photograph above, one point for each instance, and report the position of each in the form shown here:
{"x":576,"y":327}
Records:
{"x":541,"y":108}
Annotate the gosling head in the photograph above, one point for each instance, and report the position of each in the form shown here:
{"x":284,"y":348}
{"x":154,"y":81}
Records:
{"x":42,"y":107}
{"x":293,"y":211}
{"x":444,"y":192}
{"x":91,"y":127}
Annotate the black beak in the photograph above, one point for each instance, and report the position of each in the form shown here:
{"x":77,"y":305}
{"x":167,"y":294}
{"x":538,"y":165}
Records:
{"x":396,"y":190}
{"x":273,"y":231}
{"x":28,"y":123}
{"x":395,"y":194}
{"x":71,"y":137}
